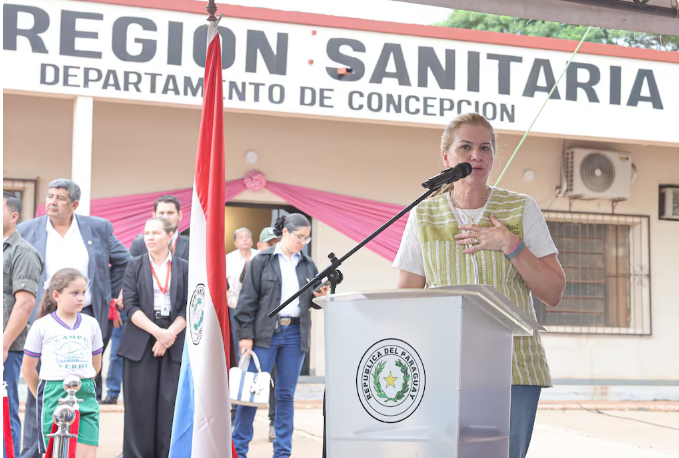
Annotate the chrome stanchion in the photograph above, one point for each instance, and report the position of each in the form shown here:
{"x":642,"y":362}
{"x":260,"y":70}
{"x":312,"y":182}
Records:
{"x":64,"y":416}
{"x":72,"y":385}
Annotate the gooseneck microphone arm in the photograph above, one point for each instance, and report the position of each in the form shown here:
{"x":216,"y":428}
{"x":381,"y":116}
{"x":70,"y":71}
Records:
{"x":449,"y":175}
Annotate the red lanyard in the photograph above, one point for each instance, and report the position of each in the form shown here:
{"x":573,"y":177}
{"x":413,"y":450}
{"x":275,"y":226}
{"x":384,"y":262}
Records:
{"x":163,"y":289}
{"x":174,"y":247}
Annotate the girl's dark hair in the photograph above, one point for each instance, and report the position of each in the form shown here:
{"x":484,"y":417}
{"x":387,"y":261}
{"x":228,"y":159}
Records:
{"x":291,"y":222}
{"x":58,"y":282}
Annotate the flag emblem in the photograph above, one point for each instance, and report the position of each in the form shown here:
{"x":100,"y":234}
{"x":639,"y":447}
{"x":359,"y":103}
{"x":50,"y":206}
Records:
{"x":197,"y":313}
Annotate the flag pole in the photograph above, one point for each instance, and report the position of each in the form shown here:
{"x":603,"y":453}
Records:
{"x":201,"y":425}
{"x":211,"y":8}
{"x":213,"y":21}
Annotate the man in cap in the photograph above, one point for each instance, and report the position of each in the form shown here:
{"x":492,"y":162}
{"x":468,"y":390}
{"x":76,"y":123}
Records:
{"x":267,"y":238}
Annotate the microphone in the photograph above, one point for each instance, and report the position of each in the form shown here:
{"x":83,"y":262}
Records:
{"x":449,"y":175}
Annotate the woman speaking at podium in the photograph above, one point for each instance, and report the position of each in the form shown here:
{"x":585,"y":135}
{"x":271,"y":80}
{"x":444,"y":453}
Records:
{"x":471,"y":233}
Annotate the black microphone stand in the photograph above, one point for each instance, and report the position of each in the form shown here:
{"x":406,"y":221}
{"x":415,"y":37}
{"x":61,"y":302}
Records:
{"x":335,"y":276}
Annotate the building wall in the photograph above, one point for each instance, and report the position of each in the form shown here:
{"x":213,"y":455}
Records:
{"x":149,"y":148}
{"x":37,"y":139}
{"x":237,"y":217}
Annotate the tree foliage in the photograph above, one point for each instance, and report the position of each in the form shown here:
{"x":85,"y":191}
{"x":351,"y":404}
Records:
{"x":521,"y":26}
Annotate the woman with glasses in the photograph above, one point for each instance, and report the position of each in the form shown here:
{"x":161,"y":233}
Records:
{"x":274,"y":275}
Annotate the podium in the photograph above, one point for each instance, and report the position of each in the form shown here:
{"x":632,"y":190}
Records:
{"x":421,"y":373}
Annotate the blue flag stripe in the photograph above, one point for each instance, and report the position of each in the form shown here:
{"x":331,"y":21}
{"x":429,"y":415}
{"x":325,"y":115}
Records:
{"x":182,"y":426}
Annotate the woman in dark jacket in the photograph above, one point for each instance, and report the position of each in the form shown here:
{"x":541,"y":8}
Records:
{"x":155,"y":289}
{"x":274,"y":275}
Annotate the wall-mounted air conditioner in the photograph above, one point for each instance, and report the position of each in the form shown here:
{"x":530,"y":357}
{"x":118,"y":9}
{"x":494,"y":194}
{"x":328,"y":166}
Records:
{"x":592,"y":173}
{"x":669,"y":202}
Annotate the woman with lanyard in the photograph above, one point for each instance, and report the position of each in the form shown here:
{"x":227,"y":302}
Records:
{"x":472,"y":233}
{"x":274,"y":275}
{"x":156,"y":290}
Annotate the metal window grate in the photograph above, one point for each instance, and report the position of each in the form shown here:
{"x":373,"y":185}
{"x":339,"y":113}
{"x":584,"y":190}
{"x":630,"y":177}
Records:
{"x":606,"y":258}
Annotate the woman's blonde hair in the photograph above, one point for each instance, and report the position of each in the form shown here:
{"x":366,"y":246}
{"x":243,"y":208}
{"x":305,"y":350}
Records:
{"x":464,"y":119}
{"x":58,"y":282}
{"x":168,"y":228}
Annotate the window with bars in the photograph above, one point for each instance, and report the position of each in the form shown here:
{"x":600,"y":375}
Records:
{"x":606,"y":261}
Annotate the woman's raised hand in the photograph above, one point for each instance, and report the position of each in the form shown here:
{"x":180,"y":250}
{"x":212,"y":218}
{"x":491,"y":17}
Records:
{"x":496,"y":238}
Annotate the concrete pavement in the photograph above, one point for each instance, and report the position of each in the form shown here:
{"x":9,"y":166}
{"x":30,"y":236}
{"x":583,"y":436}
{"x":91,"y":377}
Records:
{"x":557,"y":434}
{"x":563,"y":429}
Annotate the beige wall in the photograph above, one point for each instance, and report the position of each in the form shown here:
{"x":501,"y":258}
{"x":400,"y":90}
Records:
{"x":254,"y":219}
{"x":37,"y":139}
{"x":144,"y":148}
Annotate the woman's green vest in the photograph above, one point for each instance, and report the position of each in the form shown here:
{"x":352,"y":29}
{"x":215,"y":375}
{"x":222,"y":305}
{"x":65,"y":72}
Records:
{"x":445,"y":264}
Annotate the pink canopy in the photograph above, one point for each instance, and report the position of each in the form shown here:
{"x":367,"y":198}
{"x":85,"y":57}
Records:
{"x":354,"y":217}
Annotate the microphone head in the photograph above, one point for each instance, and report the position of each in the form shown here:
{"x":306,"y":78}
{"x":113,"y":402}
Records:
{"x":449,"y":175}
{"x":465,"y":168}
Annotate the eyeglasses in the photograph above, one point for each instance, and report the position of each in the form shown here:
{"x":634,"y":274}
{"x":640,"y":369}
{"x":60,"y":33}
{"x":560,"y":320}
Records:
{"x":302,"y":238}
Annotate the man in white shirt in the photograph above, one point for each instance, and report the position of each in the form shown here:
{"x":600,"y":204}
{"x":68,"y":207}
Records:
{"x":236,"y":260}
{"x":86,"y":243}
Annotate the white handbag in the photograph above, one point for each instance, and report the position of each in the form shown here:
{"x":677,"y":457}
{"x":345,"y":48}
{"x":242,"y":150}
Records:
{"x":249,"y":388}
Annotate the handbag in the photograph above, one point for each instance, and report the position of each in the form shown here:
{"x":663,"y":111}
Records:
{"x":249,"y":388}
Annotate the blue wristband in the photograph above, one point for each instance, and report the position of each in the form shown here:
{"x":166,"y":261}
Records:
{"x":515,"y":252}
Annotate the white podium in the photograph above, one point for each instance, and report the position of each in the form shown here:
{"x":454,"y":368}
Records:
{"x":420,"y":373}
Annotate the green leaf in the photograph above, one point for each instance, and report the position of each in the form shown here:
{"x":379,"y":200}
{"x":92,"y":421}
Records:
{"x":406,"y":378}
{"x":376,"y":381}
{"x":521,"y":26}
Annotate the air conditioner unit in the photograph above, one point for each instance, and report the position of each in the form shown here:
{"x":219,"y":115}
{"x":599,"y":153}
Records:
{"x":598,"y":174}
{"x":669,"y":202}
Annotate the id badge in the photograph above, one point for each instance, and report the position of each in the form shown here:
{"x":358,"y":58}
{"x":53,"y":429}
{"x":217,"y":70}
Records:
{"x":166,"y":307}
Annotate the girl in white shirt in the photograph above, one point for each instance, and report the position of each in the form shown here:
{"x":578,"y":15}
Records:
{"x":66,"y":342}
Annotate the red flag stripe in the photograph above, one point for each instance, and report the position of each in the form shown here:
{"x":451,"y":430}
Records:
{"x":209,"y":185}
{"x":7,"y":428}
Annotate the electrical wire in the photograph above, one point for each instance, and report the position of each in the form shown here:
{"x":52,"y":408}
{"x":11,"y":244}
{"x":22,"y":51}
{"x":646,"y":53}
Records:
{"x":543,"y":105}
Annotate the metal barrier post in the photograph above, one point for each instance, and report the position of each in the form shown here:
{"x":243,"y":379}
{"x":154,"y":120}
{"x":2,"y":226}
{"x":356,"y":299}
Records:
{"x":64,"y":416}
{"x":72,"y":385}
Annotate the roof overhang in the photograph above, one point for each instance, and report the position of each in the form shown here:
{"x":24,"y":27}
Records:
{"x":651,"y":16}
